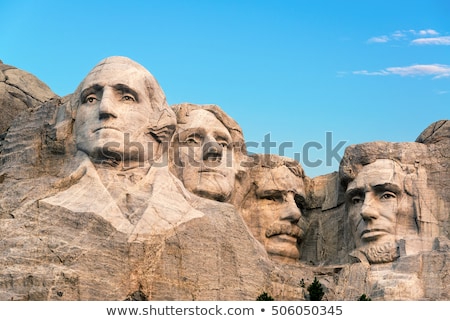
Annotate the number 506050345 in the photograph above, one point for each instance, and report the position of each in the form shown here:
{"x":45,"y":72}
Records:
{"x":307,"y":310}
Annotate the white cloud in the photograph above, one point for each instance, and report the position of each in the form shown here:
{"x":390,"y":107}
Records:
{"x":371,"y":73}
{"x":421,"y":37}
{"x":435,"y":70}
{"x":428,"y":32}
{"x":432,"y":41}
{"x":379,"y":39}
{"x":398,"y":35}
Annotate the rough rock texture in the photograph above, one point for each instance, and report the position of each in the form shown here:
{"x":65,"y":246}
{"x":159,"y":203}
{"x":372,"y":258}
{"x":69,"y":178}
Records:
{"x":73,"y":228}
{"x":19,"y":91}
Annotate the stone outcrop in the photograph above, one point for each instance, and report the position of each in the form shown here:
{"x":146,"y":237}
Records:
{"x":83,"y":216}
{"x":19,"y":91}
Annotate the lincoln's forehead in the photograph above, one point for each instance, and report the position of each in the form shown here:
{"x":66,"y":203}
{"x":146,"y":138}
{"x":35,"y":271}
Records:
{"x":380,"y":172}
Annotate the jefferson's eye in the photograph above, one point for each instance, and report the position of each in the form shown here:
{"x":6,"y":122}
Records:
{"x":224,"y":144}
{"x":128,"y":97}
{"x":388,"y":195}
{"x":193,"y":140}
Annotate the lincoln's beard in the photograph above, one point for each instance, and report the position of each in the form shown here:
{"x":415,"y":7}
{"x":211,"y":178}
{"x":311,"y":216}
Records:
{"x":383,"y":253}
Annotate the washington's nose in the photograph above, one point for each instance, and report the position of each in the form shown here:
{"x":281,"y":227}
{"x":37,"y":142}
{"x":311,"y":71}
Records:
{"x":107,"y":106}
{"x":211,"y":149}
{"x":290,"y":212}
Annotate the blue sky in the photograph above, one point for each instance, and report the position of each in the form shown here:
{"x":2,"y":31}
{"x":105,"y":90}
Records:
{"x":299,"y":71}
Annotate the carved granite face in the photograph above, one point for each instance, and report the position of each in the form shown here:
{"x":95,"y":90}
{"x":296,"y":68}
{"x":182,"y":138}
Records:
{"x":115,"y":113}
{"x":273,"y":213}
{"x":379,"y":210}
{"x":206,"y":156}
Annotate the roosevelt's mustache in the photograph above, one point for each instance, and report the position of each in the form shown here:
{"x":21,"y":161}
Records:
{"x":288,"y":228}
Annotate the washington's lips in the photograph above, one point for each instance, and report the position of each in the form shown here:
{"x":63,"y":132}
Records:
{"x":285,"y":228}
{"x":106,"y":127}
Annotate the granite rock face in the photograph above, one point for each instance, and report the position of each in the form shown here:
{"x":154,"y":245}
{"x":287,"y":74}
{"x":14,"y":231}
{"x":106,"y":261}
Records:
{"x":19,"y":91}
{"x":111,"y":194}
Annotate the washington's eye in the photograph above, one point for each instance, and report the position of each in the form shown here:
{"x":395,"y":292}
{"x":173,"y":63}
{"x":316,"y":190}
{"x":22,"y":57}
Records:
{"x":128,"y":97}
{"x":388,"y":195}
{"x":90,"y":99}
{"x":356,"y":200}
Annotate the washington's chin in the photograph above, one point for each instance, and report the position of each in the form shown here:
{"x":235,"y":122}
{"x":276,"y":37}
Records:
{"x":283,"y":247}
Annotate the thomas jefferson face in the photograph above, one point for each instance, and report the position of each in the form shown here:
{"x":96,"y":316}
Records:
{"x":115,"y":113}
{"x":205,"y":156}
{"x":274,"y":216}
{"x":378,"y":208}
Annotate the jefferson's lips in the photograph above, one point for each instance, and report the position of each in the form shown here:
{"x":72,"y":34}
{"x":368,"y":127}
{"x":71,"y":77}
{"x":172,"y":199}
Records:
{"x":211,"y":170}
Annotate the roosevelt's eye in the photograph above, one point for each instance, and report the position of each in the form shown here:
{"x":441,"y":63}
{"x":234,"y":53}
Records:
{"x":387,"y":196}
{"x":275,"y":197}
{"x":128,"y":97}
{"x":299,"y":201}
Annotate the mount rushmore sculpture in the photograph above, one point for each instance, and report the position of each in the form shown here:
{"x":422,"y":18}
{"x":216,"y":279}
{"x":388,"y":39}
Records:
{"x":109,"y":193}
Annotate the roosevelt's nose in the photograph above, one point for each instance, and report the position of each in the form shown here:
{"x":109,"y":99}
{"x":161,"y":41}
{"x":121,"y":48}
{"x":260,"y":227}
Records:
{"x":107,"y":108}
{"x":212,"y":149}
{"x":290,"y":212}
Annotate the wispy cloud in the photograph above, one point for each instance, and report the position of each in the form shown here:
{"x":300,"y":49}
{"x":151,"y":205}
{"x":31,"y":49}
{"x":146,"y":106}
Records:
{"x":379,"y":39}
{"x":414,"y":37}
{"x":432,"y":41}
{"x":428,"y":32}
{"x":435,"y":70}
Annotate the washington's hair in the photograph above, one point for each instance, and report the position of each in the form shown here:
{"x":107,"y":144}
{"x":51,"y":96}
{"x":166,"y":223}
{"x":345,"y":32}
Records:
{"x":166,"y":117}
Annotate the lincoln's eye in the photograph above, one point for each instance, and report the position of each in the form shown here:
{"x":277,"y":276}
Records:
{"x":128,"y":97}
{"x":388,"y":195}
{"x":356,"y":200}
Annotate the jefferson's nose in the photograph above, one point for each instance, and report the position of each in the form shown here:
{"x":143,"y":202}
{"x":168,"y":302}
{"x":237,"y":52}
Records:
{"x":212,"y":149}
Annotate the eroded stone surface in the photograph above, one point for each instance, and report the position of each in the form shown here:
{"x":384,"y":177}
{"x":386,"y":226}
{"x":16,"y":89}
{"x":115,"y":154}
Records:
{"x":19,"y":91}
{"x":93,"y":209}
